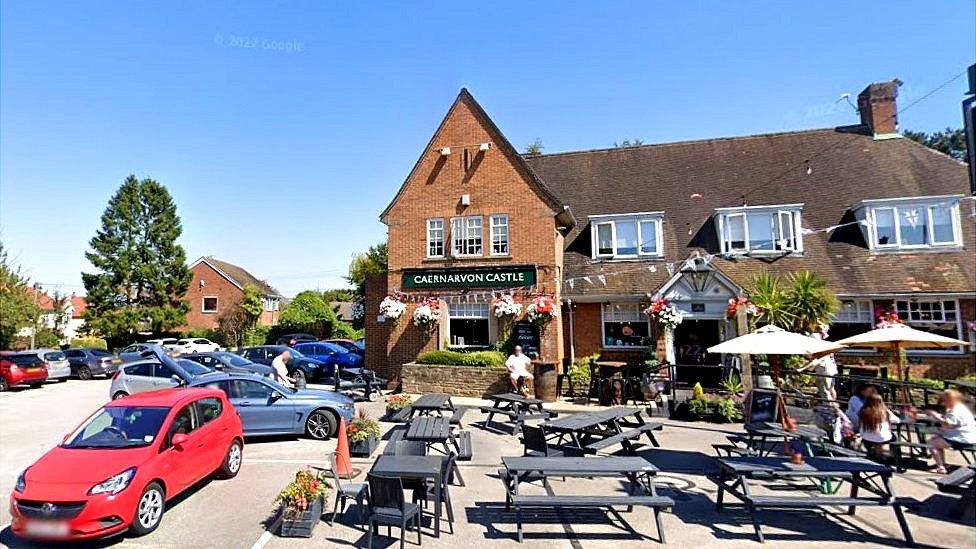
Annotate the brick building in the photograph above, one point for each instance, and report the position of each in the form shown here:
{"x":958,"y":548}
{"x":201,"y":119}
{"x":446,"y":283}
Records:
{"x":218,"y":285}
{"x":885,"y":220}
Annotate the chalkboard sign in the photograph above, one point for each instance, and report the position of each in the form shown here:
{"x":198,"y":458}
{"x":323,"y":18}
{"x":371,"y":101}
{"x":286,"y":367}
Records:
{"x":527,"y":337}
{"x":763,"y":406}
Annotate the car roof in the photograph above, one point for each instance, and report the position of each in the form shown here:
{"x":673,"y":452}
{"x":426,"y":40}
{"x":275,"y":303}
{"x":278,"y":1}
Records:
{"x":224,"y":376}
{"x":338,"y":339}
{"x":165,"y":397}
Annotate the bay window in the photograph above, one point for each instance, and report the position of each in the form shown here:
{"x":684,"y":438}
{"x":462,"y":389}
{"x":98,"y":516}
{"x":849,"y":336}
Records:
{"x":625,"y":325}
{"x":627,"y":235}
{"x":468,"y":325}
{"x":435,"y":238}
{"x":911,"y":223}
{"x":760,"y":229}
{"x":466,"y":236}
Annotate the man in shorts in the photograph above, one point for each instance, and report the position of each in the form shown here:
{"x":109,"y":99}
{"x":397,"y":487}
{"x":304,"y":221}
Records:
{"x":518,"y":367}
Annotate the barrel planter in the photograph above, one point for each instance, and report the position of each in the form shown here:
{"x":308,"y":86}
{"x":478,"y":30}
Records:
{"x":545,"y":381}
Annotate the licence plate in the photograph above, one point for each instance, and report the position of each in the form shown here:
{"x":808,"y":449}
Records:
{"x":34,"y":370}
{"x":47,"y":528}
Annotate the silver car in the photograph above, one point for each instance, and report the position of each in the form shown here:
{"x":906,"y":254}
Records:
{"x":58,"y":367}
{"x":151,"y":374}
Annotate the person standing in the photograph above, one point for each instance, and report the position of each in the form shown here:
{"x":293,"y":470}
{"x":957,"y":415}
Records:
{"x":518,"y":367}
{"x":957,"y":428}
{"x":826,"y":369}
{"x":280,"y":365}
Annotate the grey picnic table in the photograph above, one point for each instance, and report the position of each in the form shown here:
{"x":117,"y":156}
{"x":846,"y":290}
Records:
{"x":415,"y":467}
{"x":764,"y":436}
{"x":432,"y":430}
{"x":432,"y":404}
{"x":640,"y":473}
{"x":739,"y":476}
{"x":601,"y":429}
{"x":517,"y":408}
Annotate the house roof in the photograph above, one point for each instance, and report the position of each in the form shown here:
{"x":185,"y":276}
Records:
{"x":342,"y":309}
{"x":688,"y":180}
{"x":238,"y":276}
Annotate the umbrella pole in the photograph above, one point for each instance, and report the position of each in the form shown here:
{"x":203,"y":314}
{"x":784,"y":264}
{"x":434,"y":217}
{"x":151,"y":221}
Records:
{"x":774,"y":362}
{"x":902,"y":372}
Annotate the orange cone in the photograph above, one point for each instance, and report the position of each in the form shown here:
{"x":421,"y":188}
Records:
{"x":343,"y":461}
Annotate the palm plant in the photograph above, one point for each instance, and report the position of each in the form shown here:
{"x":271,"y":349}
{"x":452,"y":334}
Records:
{"x":810,"y":302}
{"x":767,"y":293}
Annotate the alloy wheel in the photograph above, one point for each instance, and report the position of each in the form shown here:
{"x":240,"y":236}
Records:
{"x":84,"y":373}
{"x":234,"y":458}
{"x":150,"y":509}
{"x":319,"y":425}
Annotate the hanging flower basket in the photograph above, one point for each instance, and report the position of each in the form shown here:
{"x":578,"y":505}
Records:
{"x":541,"y":311}
{"x":392,"y":308}
{"x":664,"y":314}
{"x":737,"y":303}
{"x":506,"y":308}
{"x":886,"y":318}
{"x":427,"y":315}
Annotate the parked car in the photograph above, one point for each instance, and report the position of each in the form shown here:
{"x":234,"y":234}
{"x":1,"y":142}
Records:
{"x":21,"y":369}
{"x":197,"y":345}
{"x":134,"y":352}
{"x":331,"y":355}
{"x":225,"y":361}
{"x":86,"y":363}
{"x":57,"y":365}
{"x":121,"y":466}
{"x":269,"y":408}
{"x":168,"y":343}
{"x":153,"y":374}
{"x":348,"y":345}
{"x":300,"y":368}
{"x":287,"y":339}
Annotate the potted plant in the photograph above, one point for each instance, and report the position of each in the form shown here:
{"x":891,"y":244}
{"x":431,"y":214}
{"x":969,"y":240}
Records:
{"x":364,"y":435}
{"x":427,"y":315}
{"x":301,"y":503}
{"x":395,"y":403}
{"x":541,"y":311}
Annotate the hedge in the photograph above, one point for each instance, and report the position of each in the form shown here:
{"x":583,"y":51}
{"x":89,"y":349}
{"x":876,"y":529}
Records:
{"x":90,"y":343}
{"x":492,"y":359}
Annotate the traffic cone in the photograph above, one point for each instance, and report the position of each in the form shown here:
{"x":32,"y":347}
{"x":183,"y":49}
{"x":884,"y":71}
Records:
{"x":343,"y":461}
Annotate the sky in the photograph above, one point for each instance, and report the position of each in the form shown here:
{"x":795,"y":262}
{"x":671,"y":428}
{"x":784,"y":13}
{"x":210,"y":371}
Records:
{"x":282,"y":129}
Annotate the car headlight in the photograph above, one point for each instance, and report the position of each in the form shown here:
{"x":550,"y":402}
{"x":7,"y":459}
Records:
{"x":115,"y":484}
{"x":21,"y":482}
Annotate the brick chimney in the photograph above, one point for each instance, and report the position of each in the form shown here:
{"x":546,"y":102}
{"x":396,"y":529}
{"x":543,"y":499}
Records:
{"x":878,"y":107}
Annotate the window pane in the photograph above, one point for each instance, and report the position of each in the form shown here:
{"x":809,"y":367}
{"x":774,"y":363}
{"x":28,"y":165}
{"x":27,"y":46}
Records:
{"x":761,"y":231}
{"x":468,"y":324}
{"x":912,"y":224}
{"x":735,"y":232}
{"x":942,"y":232}
{"x":884,"y":219}
{"x":626,"y":237}
{"x":625,"y":325}
{"x":209,"y":304}
{"x":435,"y":237}
{"x":785,"y":228}
{"x":499,"y":234}
{"x":604,"y":237}
{"x":648,"y":234}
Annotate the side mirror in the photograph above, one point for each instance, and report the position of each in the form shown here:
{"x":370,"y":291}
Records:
{"x":275,"y":396}
{"x":176,"y":380}
{"x":65,"y":439}
{"x":179,"y":439}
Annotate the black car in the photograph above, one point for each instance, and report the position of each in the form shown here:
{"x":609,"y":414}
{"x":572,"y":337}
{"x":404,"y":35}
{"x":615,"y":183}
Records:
{"x":300,"y":368}
{"x":228,"y":362}
{"x":291,"y":339}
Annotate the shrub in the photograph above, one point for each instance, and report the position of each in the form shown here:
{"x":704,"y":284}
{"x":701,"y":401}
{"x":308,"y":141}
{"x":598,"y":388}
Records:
{"x":699,"y":408}
{"x":90,"y":343}
{"x":492,"y":359}
{"x":362,"y":427}
{"x":727,"y":410}
{"x":258,"y":336}
{"x":732,"y":384}
{"x":697,"y":393}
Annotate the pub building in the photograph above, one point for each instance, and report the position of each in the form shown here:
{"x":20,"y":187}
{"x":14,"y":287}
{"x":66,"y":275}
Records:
{"x":889,"y":224}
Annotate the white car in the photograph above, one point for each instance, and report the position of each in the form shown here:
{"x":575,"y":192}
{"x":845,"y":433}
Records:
{"x":168,"y":343}
{"x":197,"y":345}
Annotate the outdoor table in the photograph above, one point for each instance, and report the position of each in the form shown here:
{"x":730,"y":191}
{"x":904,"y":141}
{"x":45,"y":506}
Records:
{"x":809,"y":435}
{"x":739,"y":475}
{"x":609,"y":370}
{"x":517,"y":408}
{"x":415,"y":467}
{"x":432,"y":430}
{"x":588,"y":427}
{"x":428,"y":404}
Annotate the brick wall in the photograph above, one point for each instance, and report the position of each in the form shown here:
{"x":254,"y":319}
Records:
{"x":469,"y":381}
{"x":214,"y":284}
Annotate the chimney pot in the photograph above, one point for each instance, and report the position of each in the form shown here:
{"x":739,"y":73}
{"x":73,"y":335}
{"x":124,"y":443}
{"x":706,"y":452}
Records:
{"x":878,"y":107}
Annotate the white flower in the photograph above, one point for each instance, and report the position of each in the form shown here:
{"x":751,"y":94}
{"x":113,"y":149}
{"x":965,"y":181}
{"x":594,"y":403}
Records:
{"x":426,"y":315}
{"x":392,"y":307}
{"x":506,"y":306}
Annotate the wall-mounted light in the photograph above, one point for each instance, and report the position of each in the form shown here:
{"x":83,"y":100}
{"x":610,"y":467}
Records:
{"x":203,"y":283}
{"x":465,"y":199}
{"x":484,"y":146}
{"x":445,"y":151}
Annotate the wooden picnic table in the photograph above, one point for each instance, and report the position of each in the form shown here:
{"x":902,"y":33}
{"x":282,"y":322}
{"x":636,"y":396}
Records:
{"x":611,"y":394}
{"x":597,"y":430}
{"x":738,"y":476}
{"x":428,"y":404}
{"x":638,"y":471}
{"x":760,"y":433}
{"x":416,"y":467}
{"x":517,"y":408}
{"x":432,"y":430}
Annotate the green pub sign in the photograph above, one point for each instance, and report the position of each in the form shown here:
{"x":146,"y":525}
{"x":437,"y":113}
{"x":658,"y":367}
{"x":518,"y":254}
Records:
{"x":509,"y":276}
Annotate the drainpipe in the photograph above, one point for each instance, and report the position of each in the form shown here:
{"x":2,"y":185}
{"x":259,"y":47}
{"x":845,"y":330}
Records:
{"x":572,"y":337}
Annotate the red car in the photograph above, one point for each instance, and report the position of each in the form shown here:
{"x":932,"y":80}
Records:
{"x":21,"y":369}
{"x":118,"y":469}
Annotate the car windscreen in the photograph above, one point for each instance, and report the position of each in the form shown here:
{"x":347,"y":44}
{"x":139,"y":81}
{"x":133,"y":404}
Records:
{"x":119,"y":427}
{"x":235,"y":360}
{"x":100,"y":353}
{"x":193,"y":368}
{"x":54,"y":356}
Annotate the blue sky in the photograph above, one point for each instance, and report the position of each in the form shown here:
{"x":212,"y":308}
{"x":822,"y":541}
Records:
{"x":283,"y":128}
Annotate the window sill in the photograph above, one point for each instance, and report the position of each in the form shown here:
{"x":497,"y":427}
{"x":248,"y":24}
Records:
{"x":468,"y":258}
{"x":628,"y":258}
{"x":922,"y":249}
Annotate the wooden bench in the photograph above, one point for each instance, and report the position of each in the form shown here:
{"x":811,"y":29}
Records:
{"x":800,"y":502}
{"x":396,"y":435}
{"x":961,"y":482}
{"x":629,"y":434}
{"x":730,"y":450}
{"x":402,"y":416}
{"x":836,"y":450}
{"x":458,"y":415}
{"x":464,"y":446}
{"x":657,"y":503}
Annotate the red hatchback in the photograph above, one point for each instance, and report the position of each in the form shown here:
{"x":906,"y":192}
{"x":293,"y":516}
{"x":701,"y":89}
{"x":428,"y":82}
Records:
{"x":119,"y":468}
{"x":21,"y":369}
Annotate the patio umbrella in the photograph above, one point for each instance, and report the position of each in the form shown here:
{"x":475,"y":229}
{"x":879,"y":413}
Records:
{"x":774,"y":341}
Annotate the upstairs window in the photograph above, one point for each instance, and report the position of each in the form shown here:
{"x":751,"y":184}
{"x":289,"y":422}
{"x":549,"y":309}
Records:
{"x":499,"y":235}
{"x":627,"y":235}
{"x":466,"y":236}
{"x":209,"y":305}
{"x":762,"y":229}
{"x":899,"y":224}
{"x":435,"y":238}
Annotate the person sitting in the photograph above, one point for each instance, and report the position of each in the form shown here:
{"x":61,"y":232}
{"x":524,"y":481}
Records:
{"x":875,"y":421}
{"x":517,"y":365}
{"x":957,"y":428}
{"x":856,"y":402}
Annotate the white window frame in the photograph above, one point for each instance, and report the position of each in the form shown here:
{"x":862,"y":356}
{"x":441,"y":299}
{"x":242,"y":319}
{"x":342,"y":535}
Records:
{"x":430,"y":239}
{"x":792,"y":214}
{"x":492,"y":234}
{"x":466,"y":314}
{"x":604,"y":307}
{"x":639,"y":219}
{"x":203,"y":304}
{"x":869,"y":320}
{"x":939,"y":301}
{"x":925,"y":205}
{"x":459,"y":235}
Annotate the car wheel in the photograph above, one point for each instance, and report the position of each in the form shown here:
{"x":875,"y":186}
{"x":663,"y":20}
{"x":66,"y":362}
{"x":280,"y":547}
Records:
{"x":320,"y":425}
{"x":232,"y":461}
{"x":84,"y":373}
{"x":120,"y":394}
{"x":3,"y":385}
{"x":149,"y":510}
{"x":299,"y":378}
{"x":374,"y":395}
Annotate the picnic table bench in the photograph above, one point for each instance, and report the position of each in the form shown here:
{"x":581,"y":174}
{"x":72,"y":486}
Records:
{"x":638,"y":471}
{"x":961,"y":482}
{"x":517,"y":408}
{"x":738,"y":476}
{"x":591,"y":432}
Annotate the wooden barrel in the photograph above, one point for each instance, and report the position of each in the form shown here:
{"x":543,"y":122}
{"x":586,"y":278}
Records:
{"x":545,"y":381}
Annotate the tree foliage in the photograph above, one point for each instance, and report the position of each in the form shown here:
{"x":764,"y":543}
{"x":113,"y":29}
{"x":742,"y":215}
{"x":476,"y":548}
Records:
{"x":142,"y":275}
{"x":237,"y":323}
{"x":802,"y":303}
{"x":534,"y":148}
{"x":339,"y":294}
{"x":366,"y":265}
{"x":309,"y":312}
{"x":17,"y":308}
{"x":948,"y":141}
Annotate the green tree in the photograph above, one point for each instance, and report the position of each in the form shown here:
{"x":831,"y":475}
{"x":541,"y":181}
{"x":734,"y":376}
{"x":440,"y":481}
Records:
{"x":142,"y":275}
{"x":309,"y":312}
{"x":534,"y":148}
{"x":238,"y":322}
{"x":948,"y":141}
{"x":366,"y":265}
{"x":17,"y":308}
{"x":766,"y":292}
{"x":339,"y":294}
{"x":810,"y":302}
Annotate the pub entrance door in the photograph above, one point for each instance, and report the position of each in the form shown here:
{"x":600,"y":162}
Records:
{"x":693,"y":363}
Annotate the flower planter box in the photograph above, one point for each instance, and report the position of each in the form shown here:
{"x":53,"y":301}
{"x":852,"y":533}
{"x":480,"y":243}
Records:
{"x":302,"y":526}
{"x":363,"y":448}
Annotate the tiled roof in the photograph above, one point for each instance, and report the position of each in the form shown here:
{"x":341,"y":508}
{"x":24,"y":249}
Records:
{"x":846,"y":165}
{"x":240,"y":276}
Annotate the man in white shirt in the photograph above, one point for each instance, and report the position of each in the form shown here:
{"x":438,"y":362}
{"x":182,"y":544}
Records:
{"x":518,"y":365}
{"x":281,"y":369}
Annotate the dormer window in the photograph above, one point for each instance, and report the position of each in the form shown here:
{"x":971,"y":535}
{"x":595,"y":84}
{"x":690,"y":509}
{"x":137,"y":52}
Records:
{"x":760,"y":229}
{"x":911,"y":223}
{"x":627,"y":236}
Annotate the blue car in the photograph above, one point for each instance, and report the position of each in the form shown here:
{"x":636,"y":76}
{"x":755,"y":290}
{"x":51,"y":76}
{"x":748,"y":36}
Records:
{"x":269,"y":408}
{"x":331,"y":355}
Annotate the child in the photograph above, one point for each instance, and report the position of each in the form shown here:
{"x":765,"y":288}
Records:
{"x":957,"y":428}
{"x":875,"y":421}
{"x":856,"y":402}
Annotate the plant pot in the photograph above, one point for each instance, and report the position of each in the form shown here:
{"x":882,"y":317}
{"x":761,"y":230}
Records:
{"x":302,"y":526}
{"x":363,"y":448}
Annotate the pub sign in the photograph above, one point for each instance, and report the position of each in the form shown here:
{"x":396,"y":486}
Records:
{"x":507,"y":276}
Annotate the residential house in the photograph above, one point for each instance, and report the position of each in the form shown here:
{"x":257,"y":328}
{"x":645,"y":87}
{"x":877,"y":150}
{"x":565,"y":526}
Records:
{"x":218,"y":285}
